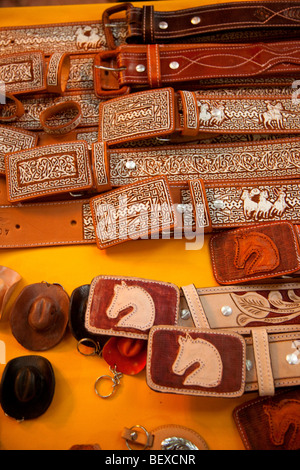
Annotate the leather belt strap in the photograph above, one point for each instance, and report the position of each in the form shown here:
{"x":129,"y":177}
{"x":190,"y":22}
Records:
{"x":156,"y":65}
{"x":46,"y":224}
{"x":162,"y":112}
{"x":221,"y":22}
{"x":263,"y":362}
{"x":195,"y":307}
{"x":183,"y":162}
{"x":13,"y":140}
{"x":26,"y":72}
{"x":55,"y":169}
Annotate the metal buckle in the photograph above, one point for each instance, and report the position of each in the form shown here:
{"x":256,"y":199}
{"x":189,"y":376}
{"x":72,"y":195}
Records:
{"x":107,"y":25}
{"x":98,"y":64}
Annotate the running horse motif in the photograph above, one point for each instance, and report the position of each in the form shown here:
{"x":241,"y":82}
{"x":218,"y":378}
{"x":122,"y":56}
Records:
{"x":281,"y":417}
{"x":255,"y":253}
{"x":192,"y":351}
{"x":142,"y":313}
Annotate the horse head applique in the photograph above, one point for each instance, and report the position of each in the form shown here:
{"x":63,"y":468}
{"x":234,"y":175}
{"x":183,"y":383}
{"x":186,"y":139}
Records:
{"x":283,"y":416}
{"x":142,"y":313}
{"x":191,"y":351}
{"x":255,"y":253}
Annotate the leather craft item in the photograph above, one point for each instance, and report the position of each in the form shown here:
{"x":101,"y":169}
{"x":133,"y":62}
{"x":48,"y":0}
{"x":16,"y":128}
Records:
{"x":129,"y":307}
{"x":27,"y":387}
{"x":270,"y":423}
{"x":257,"y":252}
{"x":274,"y":305}
{"x":48,"y":170}
{"x":186,"y":115}
{"x":172,"y":351}
{"x":134,"y":211}
{"x":28,"y":72}
{"x":8,"y":281}
{"x":155,"y":66}
{"x":230,"y":364}
{"x":39,"y":316}
{"x":14,"y":140}
{"x":208,"y":161}
{"x":166,"y":438}
{"x":12,"y":110}
{"x":52,"y":111}
{"x":228,"y":22}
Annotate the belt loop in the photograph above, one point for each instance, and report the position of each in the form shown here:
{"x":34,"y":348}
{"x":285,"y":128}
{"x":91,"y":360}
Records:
{"x":194,"y":304}
{"x":153,"y":66}
{"x":263,"y":362}
{"x":148,"y":24}
{"x":190,"y":113}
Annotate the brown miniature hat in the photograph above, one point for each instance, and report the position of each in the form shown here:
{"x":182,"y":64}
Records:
{"x":39,"y":316}
{"x":27,"y":387}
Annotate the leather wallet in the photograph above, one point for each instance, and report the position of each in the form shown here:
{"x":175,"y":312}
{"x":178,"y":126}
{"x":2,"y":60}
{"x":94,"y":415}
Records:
{"x":198,"y":362}
{"x":129,"y":307}
{"x":257,"y":252}
{"x":270,"y":423}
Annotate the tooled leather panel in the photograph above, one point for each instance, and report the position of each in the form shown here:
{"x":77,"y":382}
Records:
{"x":270,"y":423}
{"x":195,"y":362}
{"x":255,"y":252}
{"x":130,"y":306}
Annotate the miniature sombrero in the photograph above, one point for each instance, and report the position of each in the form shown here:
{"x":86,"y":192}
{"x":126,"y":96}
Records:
{"x":39,"y":316}
{"x":27,"y":387}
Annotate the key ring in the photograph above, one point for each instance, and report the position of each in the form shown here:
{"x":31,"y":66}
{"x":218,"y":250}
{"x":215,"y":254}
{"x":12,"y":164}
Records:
{"x":115,"y":382}
{"x":96,"y":345}
{"x":133,"y":436}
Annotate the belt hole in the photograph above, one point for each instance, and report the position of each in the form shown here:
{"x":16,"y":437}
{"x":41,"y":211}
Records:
{"x":73,"y":222}
{"x":18,"y":226}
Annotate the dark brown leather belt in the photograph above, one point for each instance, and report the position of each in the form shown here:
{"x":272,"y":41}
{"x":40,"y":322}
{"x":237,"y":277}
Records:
{"x":228,"y":22}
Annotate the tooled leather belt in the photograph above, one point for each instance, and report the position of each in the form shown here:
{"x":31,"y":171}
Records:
{"x":62,"y":113}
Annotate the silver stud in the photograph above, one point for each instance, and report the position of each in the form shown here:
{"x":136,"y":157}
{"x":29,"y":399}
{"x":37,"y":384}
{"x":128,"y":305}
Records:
{"x":130,"y":165}
{"x":195,"y":20}
{"x":249,"y":364}
{"x":226,"y":310}
{"x":292,"y":359}
{"x":185,"y":314}
{"x":140,"y":68}
{"x":163,"y":25}
{"x":133,"y":435}
{"x":181,"y":208}
{"x":218,"y":204}
{"x":173,"y":65}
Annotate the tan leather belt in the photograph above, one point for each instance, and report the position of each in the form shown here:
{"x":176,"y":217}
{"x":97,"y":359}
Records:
{"x":28,"y":72}
{"x":162,"y":112}
{"x":157,"y":65}
{"x":221,"y":22}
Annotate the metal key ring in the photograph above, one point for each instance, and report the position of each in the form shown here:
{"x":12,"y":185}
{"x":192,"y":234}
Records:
{"x":96,"y":345}
{"x":133,"y":436}
{"x":115,"y":381}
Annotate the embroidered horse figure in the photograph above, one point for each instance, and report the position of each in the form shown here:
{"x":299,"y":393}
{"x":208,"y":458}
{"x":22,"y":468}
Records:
{"x":141,"y":316}
{"x":255,"y":253}
{"x":281,"y":417}
{"x":191,"y":351}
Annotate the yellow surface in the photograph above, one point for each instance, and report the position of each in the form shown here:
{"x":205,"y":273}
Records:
{"x":77,"y":415}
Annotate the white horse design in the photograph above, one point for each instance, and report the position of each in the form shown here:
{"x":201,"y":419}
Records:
{"x":191,"y":351}
{"x":143,"y":309}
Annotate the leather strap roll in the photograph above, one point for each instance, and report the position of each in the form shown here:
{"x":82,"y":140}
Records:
{"x":229,"y":22}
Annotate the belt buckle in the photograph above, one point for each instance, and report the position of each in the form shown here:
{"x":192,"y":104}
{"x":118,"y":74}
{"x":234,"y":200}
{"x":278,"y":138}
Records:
{"x":110,"y":75}
{"x":107,"y":24}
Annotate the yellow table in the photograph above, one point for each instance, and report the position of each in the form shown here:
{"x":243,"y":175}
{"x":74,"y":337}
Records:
{"x":77,"y":415}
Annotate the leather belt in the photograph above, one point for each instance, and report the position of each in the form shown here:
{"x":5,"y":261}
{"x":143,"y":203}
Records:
{"x":157,"y":65}
{"x":28,"y":72}
{"x":162,"y":112}
{"x":13,"y":140}
{"x":229,"y":22}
